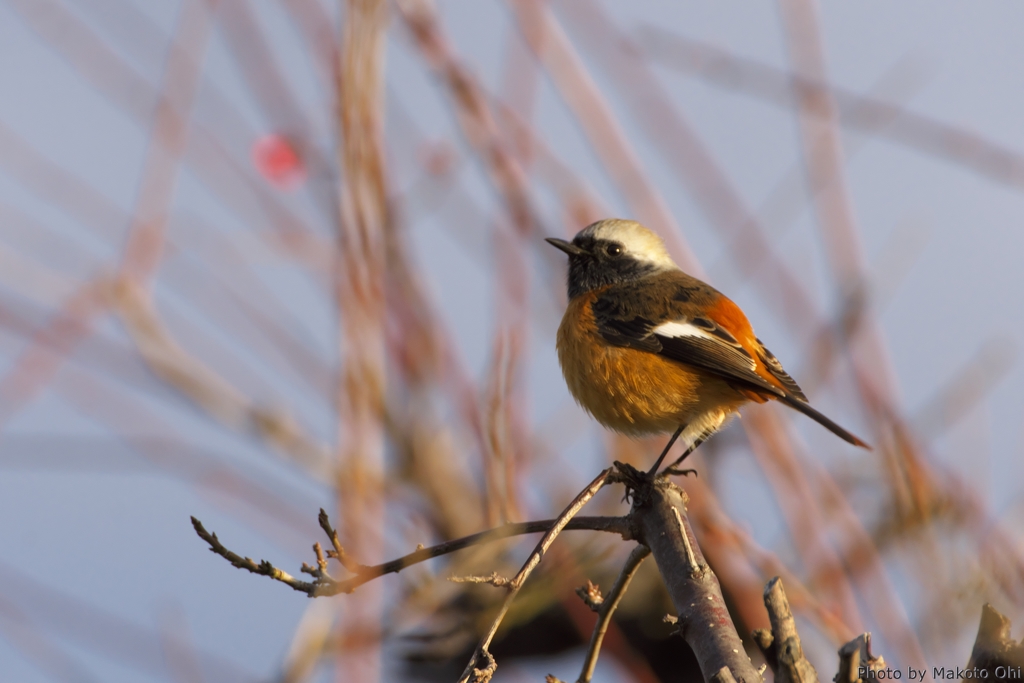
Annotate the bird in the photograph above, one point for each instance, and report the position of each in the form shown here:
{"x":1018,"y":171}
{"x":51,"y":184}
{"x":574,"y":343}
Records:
{"x":646,"y":348}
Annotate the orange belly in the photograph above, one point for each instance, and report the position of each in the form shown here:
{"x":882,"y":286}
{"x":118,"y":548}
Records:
{"x":632,"y":391}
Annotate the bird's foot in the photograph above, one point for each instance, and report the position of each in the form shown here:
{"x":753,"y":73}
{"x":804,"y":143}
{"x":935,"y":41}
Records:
{"x":631,"y":478}
{"x":676,"y":472}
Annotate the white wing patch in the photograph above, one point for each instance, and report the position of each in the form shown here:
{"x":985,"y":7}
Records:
{"x":676,"y":328}
{"x":722,"y":344}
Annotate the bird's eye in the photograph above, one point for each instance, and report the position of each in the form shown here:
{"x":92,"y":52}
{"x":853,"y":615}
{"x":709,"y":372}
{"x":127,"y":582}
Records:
{"x":614,"y":250}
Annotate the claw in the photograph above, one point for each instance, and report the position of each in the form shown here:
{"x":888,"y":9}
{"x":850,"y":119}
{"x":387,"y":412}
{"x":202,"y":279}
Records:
{"x":672,"y":471}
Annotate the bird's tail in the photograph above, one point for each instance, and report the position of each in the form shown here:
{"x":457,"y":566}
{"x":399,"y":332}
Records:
{"x":828,"y":424}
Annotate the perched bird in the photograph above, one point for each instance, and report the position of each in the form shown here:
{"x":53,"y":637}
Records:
{"x":646,"y":348}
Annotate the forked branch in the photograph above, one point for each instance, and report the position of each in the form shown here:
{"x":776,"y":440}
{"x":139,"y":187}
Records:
{"x":482,"y":655}
{"x":607,"y":609}
{"x":658,"y":520}
{"x":325,"y":585}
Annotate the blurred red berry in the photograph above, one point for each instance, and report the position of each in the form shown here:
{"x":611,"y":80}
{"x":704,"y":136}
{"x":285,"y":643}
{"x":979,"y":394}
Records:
{"x":275,"y":157}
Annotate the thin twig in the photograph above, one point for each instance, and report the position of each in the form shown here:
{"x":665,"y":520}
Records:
{"x":604,"y":614}
{"x":618,"y":525}
{"x":339,"y":551}
{"x":472,"y":673}
{"x":263,"y":567}
{"x":326,"y":586}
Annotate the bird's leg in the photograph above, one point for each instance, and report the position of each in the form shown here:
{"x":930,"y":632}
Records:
{"x":668,"y":446}
{"x":671,"y":469}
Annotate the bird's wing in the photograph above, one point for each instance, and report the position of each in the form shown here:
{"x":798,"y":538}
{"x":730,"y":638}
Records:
{"x":681,"y":318}
{"x":772,"y":364}
{"x":670,"y":330}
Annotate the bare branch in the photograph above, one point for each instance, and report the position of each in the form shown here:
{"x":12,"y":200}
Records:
{"x":993,"y":646}
{"x":782,"y":648}
{"x":607,"y":609}
{"x":326,"y":586}
{"x":855,"y":657}
{"x":263,"y":567}
{"x":472,"y":673}
{"x":659,"y":515}
{"x":339,"y":552}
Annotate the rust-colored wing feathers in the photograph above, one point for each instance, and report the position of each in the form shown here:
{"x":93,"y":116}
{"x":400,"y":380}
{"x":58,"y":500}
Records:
{"x":689,"y":322}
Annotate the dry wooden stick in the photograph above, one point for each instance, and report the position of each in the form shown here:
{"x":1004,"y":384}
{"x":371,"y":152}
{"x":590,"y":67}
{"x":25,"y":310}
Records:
{"x":781,"y":646}
{"x":995,"y":652}
{"x":855,"y":659}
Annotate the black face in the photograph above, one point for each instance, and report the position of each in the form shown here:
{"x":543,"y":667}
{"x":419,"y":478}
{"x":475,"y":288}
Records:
{"x":597,"y":263}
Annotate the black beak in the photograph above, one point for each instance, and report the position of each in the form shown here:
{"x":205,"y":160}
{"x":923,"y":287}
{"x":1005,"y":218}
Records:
{"x":568,"y":247}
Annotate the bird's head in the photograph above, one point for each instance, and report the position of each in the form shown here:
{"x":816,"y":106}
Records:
{"x":610,"y":252}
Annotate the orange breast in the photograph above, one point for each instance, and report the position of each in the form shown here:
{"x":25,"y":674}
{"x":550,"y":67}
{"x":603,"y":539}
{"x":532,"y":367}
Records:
{"x":634,"y":391}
